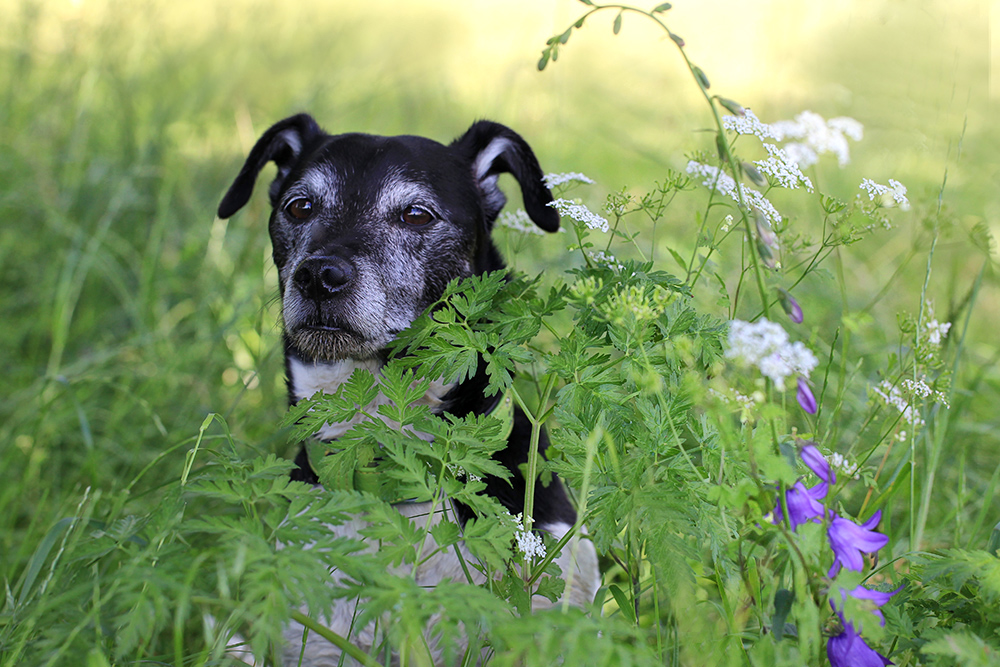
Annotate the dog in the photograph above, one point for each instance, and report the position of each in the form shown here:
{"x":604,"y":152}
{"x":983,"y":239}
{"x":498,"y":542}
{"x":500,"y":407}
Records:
{"x":366,"y":233}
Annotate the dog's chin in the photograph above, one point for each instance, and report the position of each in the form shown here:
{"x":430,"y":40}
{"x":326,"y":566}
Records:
{"x":328,"y":343}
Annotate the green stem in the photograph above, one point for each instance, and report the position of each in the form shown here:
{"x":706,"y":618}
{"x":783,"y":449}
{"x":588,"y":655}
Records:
{"x":335,"y":639}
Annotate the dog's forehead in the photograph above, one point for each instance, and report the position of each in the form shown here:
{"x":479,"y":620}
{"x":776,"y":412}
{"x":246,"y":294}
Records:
{"x":377,"y":159}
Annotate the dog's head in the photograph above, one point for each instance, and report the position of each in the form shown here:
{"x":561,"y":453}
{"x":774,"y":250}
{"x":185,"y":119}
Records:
{"x":368,"y":230}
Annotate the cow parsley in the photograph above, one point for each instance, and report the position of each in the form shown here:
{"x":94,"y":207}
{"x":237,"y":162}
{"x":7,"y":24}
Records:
{"x":724,"y":184}
{"x":580,"y":213}
{"x":895,"y":191}
{"x":553,"y":180}
{"x":765,"y":345}
{"x":519,"y":221}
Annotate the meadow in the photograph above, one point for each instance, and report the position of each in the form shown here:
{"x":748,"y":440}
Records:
{"x":143,"y":429}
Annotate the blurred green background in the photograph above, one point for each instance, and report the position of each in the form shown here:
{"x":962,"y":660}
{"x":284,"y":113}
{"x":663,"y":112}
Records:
{"x":129,"y":312}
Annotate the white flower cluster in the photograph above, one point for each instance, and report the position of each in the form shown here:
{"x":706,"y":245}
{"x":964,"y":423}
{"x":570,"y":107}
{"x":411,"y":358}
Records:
{"x":813,"y":134}
{"x":895,"y":189}
{"x":519,"y":221}
{"x":936,"y":331}
{"x":783,"y":169}
{"x":745,"y":403}
{"x":580,"y":213}
{"x":552,"y":180}
{"x":726,"y":224}
{"x":602,"y":257}
{"x":530,"y":544}
{"x":765,"y":344}
{"x":724,"y":184}
{"x":748,"y":123}
{"x":818,"y":136}
{"x":841,"y":463}
{"x":920,"y":389}
{"x":461,"y":473}
{"x":893,"y":395}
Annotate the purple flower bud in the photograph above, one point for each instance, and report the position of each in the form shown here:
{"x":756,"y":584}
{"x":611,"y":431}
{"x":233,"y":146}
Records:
{"x":805,"y":396}
{"x":817,"y":463}
{"x":848,"y":649}
{"x":848,"y":540}
{"x":790,"y":306}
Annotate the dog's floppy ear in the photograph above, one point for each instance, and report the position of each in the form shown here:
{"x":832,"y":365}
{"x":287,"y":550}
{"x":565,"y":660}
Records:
{"x":494,"y":149}
{"x":283,"y":143}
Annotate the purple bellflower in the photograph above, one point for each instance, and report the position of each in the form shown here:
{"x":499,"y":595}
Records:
{"x":879,"y":598}
{"x":802,"y":503}
{"x":848,"y":540}
{"x":848,"y":649}
{"x":805,"y":396}
{"x":815,"y":461}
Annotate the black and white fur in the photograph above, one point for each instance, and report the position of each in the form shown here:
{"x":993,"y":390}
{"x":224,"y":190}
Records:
{"x":366,"y":232}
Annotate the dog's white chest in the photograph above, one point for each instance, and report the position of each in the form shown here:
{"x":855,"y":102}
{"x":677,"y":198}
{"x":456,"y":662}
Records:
{"x":308,"y":378}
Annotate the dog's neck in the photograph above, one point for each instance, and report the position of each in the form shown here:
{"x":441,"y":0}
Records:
{"x":306,"y":378}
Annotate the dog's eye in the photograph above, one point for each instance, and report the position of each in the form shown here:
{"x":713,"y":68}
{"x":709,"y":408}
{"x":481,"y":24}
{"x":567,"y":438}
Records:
{"x":415,"y":215}
{"x":300,"y":208}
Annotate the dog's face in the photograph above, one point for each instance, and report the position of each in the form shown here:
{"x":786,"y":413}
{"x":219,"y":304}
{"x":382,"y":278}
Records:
{"x":368,"y":230}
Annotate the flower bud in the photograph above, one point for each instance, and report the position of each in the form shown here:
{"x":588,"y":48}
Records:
{"x":805,"y":396}
{"x":700,"y":76}
{"x":766,"y":255}
{"x":754,"y":175}
{"x":731,"y":106}
{"x":764,"y":231}
{"x":790,"y":306}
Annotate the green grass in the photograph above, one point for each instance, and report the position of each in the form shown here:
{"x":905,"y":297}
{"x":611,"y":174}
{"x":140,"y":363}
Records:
{"x":130,"y":313}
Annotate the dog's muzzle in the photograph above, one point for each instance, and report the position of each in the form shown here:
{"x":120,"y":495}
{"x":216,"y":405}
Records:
{"x":322,"y":278}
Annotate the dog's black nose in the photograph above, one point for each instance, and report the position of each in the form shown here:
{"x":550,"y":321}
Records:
{"x":320,"y":278}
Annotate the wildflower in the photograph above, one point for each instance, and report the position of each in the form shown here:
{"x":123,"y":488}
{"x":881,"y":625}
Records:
{"x":602,"y":257}
{"x":553,"y":180}
{"x":724,"y":184}
{"x":461,"y":473}
{"x":748,"y":123}
{"x":892,"y":396}
{"x":848,"y":540}
{"x":917,"y":387}
{"x":839,"y":462}
{"x":519,"y":221}
{"x":790,"y":306}
{"x":815,"y":461}
{"x":783,"y":169}
{"x":529,"y":543}
{"x":878,"y":598}
{"x":580,"y":213}
{"x":848,"y":649}
{"x":633,"y":303}
{"x":726,"y":224}
{"x":817,"y":136}
{"x":804,"y":395}
{"x":895,"y":190}
{"x":745,"y":403}
{"x":802,"y":504}
{"x":765,"y":345}
{"x":936,"y":331}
